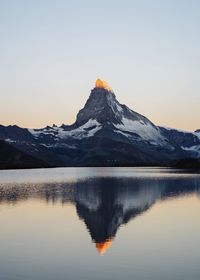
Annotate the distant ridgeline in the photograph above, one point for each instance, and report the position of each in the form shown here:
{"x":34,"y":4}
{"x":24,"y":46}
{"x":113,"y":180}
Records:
{"x":105,"y":133}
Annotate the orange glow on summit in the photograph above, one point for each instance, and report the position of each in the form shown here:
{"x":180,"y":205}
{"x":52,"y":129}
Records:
{"x":102,"y":84}
{"x":102,"y":247}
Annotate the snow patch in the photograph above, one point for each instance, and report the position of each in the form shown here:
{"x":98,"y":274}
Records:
{"x":10,"y":140}
{"x":82,"y":131}
{"x":86,"y":130}
{"x":145,"y":130}
{"x":47,"y":131}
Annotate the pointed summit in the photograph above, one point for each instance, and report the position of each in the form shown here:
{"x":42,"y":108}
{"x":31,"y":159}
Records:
{"x":102,"y":84}
{"x":101,"y":106}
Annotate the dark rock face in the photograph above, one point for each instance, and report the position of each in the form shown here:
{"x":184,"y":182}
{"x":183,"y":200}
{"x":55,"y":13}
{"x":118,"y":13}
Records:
{"x":105,"y":133}
{"x":11,"y":157}
{"x":101,"y":106}
{"x":15,"y":133}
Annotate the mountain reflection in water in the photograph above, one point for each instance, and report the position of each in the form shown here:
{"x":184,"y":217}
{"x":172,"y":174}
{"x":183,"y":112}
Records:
{"x":104,"y":204}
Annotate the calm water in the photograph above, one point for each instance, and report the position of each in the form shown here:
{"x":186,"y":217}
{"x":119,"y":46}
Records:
{"x":99,"y":223}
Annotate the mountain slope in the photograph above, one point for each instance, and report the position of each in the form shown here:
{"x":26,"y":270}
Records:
{"x":11,"y":157}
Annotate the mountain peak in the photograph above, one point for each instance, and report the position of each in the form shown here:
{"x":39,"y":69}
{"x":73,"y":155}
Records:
{"x":101,"y":106}
{"x":102,"y":84}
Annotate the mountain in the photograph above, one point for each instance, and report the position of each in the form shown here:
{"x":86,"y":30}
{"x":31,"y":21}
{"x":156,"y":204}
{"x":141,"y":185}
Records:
{"x":11,"y":157}
{"x":105,"y":133}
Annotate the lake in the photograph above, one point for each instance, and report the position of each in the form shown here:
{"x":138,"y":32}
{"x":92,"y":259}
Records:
{"x":99,"y":223}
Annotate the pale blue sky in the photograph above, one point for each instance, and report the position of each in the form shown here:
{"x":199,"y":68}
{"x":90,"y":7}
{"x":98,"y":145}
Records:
{"x":51,"y":53}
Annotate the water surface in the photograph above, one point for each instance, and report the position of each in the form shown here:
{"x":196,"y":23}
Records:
{"x":99,"y":223}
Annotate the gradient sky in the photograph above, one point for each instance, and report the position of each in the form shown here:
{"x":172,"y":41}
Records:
{"x":51,"y":53}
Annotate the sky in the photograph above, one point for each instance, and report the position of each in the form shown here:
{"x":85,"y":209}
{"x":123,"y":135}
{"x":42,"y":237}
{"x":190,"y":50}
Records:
{"x":51,"y":53}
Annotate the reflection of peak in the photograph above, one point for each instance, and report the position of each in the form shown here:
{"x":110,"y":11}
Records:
{"x":106,"y":203}
{"x":102,"y":247}
{"x":105,"y":208}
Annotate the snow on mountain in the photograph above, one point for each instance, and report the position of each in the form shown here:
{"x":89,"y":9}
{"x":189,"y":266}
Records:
{"x":46,"y":131}
{"x":144,"y":130}
{"x":87,"y":130}
{"x":184,"y":139}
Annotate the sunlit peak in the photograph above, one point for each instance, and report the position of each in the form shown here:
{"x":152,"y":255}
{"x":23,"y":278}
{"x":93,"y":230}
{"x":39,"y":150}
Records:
{"x":102,"y":84}
{"x":102,"y":247}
